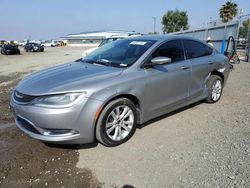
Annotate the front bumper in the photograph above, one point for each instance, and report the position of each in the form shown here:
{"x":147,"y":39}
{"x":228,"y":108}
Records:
{"x":72,"y":125}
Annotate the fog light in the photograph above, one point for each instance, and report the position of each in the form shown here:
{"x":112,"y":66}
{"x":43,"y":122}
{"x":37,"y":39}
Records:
{"x":57,"y":132}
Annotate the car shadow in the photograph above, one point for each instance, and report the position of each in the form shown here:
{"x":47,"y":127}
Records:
{"x":169,"y":114}
{"x":73,"y":146}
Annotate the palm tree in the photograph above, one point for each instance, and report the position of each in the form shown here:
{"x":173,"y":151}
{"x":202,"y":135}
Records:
{"x":228,"y":11}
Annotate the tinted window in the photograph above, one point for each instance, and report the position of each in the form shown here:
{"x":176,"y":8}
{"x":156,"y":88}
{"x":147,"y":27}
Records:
{"x":196,"y":49}
{"x":209,"y":50}
{"x":172,"y":49}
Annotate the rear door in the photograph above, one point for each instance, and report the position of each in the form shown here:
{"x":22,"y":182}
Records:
{"x":202,"y":63}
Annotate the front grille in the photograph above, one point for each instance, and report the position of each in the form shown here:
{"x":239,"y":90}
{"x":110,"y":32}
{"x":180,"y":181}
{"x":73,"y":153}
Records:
{"x":22,"y":98}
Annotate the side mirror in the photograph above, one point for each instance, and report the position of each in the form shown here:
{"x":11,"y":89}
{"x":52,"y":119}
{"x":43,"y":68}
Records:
{"x":160,"y":60}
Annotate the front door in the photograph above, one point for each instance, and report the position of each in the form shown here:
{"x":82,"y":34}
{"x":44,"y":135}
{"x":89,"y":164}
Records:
{"x":168,"y":84}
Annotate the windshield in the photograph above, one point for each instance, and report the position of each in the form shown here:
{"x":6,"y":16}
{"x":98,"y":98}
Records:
{"x":105,"y":41}
{"x":120,"y":53}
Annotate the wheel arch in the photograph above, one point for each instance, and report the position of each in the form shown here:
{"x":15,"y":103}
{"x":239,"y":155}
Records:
{"x":217,"y":73}
{"x":130,"y":97}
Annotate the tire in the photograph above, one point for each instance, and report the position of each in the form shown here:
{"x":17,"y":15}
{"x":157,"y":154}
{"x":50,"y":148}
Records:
{"x":214,"y":91}
{"x":116,"y":128}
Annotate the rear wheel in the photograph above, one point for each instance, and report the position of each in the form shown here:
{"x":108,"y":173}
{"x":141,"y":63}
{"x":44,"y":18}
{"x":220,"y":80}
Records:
{"x":117,"y":122}
{"x":215,"y":87}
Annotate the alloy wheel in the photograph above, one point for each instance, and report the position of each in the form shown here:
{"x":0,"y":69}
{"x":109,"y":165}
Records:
{"x":216,"y":91}
{"x":119,"y":123}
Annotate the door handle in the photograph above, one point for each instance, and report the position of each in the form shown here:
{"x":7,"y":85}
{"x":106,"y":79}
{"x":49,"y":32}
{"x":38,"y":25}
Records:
{"x":210,"y":62}
{"x":184,"y":67}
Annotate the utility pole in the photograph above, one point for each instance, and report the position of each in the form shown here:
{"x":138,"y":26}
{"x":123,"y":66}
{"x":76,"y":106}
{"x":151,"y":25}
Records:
{"x":154,"y":18}
{"x":239,"y":25}
{"x":248,"y":44}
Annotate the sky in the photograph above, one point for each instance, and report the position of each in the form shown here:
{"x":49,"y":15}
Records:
{"x":49,"y":19}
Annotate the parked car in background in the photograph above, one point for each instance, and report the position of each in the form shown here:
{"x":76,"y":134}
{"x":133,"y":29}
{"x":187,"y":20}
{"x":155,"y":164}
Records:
{"x":118,"y":86}
{"x":9,"y":49}
{"x":49,"y":44}
{"x":22,"y":43}
{"x":107,"y":40}
{"x":242,"y":43}
{"x":33,"y":47}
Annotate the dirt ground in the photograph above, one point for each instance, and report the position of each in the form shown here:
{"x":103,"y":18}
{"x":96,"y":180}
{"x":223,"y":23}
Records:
{"x":25,"y":162}
{"x":201,"y":145}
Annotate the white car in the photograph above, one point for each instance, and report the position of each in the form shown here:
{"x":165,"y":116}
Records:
{"x":88,"y":51}
{"x":105,"y":41}
{"x":22,"y":43}
{"x":49,"y":44}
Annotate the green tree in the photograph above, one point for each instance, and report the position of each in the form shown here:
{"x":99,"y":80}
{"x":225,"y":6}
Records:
{"x":174,"y":21}
{"x":244,"y":29}
{"x":228,"y":11}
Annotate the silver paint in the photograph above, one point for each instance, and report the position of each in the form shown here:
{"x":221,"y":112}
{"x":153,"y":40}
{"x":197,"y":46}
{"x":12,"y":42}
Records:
{"x":159,"y":90}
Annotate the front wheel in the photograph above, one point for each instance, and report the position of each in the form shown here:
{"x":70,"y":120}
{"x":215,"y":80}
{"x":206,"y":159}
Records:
{"x":215,"y":87}
{"x":117,"y":122}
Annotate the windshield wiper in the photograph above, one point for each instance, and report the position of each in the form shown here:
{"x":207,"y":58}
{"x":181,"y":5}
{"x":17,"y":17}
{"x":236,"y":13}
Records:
{"x":99,"y":61}
{"x":103,"y":62}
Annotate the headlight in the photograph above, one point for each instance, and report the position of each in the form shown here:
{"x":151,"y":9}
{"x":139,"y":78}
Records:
{"x":59,"y":100}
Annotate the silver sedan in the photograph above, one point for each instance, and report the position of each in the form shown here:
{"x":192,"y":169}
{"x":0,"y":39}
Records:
{"x":106,"y":94}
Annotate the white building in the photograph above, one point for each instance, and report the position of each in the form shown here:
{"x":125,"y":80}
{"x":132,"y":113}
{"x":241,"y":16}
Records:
{"x":94,"y":38}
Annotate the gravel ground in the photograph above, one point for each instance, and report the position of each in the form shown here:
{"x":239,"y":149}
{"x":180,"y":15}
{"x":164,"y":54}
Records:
{"x":202,"y":145}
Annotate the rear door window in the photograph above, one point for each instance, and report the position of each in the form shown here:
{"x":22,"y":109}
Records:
{"x":209,"y":50}
{"x":195,"y":49}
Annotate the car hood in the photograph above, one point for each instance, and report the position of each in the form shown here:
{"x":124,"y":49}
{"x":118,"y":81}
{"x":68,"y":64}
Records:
{"x":76,"y":76}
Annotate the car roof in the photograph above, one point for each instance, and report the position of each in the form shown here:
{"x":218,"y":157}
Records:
{"x":9,"y":45}
{"x":162,"y":37}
